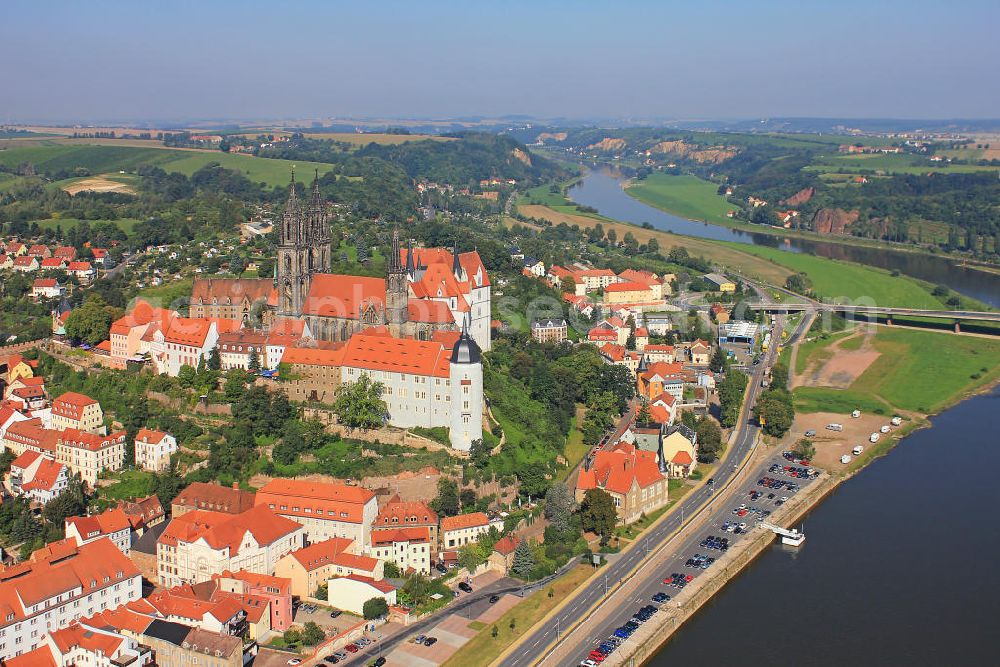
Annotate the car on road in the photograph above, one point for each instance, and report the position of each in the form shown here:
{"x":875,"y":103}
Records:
{"x":810,"y":433}
{"x":494,"y":599}
{"x":378,"y":663}
{"x":294,"y":661}
{"x":660,"y":598}
{"x":430,"y":641}
{"x":465,"y":587}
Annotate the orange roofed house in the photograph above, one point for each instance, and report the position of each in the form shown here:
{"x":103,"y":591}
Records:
{"x":325,"y":510}
{"x":74,"y":410}
{"x":630,"y":476}
{"x":58,"y":585}
{"x":463,"y":529}
{"x":312,"y":566}
{"x":199,"y":544}
{"x":211,"y":497}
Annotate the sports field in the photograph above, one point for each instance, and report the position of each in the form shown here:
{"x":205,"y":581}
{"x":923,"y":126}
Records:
{"x":104,"y":159}
{"x":687,"y":196}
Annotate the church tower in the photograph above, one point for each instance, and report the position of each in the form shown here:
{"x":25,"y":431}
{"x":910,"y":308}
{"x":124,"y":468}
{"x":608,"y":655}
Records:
{"x":303,"y":249}
{"x":397,"y":291}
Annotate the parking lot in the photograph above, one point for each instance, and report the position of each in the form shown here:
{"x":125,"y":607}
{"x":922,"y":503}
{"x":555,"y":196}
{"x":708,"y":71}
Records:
{"x":754,"y":499}
{"x":321,"y":617}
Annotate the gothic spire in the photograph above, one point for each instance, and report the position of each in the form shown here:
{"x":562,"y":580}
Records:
{"x":409,"y":259}
{"x":394,"y":263}
{"x":456,"y":266}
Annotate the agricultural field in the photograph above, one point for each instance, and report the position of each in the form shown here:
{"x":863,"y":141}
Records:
{"x":844,"y":281}
{"x":104,"y":159}
{"x":687,"y":196}
{"x":921,"y":371}
{"x":894,"y":164}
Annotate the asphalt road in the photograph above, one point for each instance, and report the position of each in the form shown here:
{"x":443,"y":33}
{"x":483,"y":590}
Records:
{"x":530,"y":649}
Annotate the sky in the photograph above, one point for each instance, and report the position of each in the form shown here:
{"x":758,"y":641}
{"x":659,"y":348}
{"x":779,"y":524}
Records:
{"x":701,"y":59}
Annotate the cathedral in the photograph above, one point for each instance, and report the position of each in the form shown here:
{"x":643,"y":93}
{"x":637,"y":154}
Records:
{"x":425,"y":290}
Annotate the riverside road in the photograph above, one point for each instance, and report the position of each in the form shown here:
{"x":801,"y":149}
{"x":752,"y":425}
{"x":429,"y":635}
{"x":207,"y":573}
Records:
{"x":658,"y":541}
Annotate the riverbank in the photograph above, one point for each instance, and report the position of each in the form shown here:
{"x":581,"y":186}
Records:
{"x":694,"y":198}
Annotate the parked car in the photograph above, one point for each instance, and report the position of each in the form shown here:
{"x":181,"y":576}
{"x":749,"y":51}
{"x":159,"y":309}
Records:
{"x":494,"y":599}
{"x":465,"y":587}
{"x":430,"y":641}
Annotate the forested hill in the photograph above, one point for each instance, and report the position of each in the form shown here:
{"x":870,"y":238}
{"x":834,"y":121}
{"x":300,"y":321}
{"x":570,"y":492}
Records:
{"x":470,"y":158}
{"x":465,"y":159}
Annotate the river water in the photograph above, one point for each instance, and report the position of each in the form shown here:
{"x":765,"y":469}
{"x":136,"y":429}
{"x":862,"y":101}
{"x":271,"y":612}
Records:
{"x":602,"y":189}
{"x":898,"y":567}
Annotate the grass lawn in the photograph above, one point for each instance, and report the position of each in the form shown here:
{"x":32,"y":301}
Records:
{"x":100,"y":159}
{"x":817,"y":349}
{"x":921,"y":371}
{"x":687,"y":196}
{"x":844,"y":281}
{"x":483,"y":649}
{"x":169,"y":295}
{"x":129,"y":484}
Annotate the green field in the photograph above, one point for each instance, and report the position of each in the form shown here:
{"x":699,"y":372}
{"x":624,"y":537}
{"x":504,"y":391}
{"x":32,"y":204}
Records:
{"x":817,"y":350}
{"x":687,"y":196}
{"x":103,"y":159}
{"x":126,"y":224}
{"x":844,"y":281}
{"x":922,"y":371}
{"x":894,"y":164}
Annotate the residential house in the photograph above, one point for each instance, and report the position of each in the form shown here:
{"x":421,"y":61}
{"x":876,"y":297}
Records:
{"x":457,"y":531}
{"x":198,"y":544}
{"x":46,"y":288}
{"x":213,"y":498}
{"x":83,"y":271}
{"x":87,"y":454}
{"x":177,"y":645}
{"x":718,"y":313}
{"x":111,"y":523}
{"x":310,"y":567}
{"x":396,"y":513}
{"x":501,"y":558}
{"x":325,"y":510}
{"x":78,"y":411}
{"x":410,"y":549}
{"x":37,"y":477}
{"x":277,"y":591}
{"x":680,"y":450}
{"x":81,"y":644}
{"x":549,"y":330}
{"x":351,"y":592}
{"x":59,"y":584}
{"x":153,"y":449}
{"x":533,"y":267}
{"x":26,"y":264}
{"x":630,"y":476}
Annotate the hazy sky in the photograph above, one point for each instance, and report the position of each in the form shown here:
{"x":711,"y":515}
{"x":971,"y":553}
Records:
{"x":178,"y":60}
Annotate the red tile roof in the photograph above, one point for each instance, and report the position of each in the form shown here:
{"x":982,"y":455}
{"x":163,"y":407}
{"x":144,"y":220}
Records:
{"x":205,"y":496}
{"x":333,"y":502}
{"x":313,"y":356}
{"x":618,"y":469}
{"x":110,"y":521}
{"x":682,"y":458}
{"x":149,"y":436}
{"x":626,"y":287}
{"x":333,"y":295}
{"x":71,"y":404}
{"x":46,"y":476}
{"x":396,"y":513}
{"x":506,"y":545}
{"x":461,"y":521}
{"x":399,"y":355}
{"x":226,"y":531}
{"x":411,"y":534}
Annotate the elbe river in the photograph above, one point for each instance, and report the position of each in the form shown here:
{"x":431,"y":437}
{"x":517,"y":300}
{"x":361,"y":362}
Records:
{"x":899,"y":564}
{"x":602,"y":189}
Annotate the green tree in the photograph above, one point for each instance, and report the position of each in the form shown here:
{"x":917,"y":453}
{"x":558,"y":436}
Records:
{"x":214,"y":359}
{"x":719,"y":362}
{"x":467,"y":498}
{"x":598,"y":514}
{"x":447,"y":502}
{"x":470,"y":556}
{"x":479,"y":453}
{"x":71,"y":502}
{"x":360,"y":405}
{"x":709,"y":440}
{"x":292,"y":636}
{"x":524,"y":560}
{"x":779,"y":376}
{"x":90,"y":322}
{"x":418,"y":588}
{"x":253,"y":363}
{"x":774,"y":410}
{"x":312,"y":634}
{"x":375,"y":608}
{"x":804,"y":449}
{"x":731,"y":391}
{"x":235,"y":385}
{"x":559,"y":507}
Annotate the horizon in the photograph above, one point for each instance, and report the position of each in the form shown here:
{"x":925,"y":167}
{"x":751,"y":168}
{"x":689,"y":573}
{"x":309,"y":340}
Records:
{"x":716,"y":62}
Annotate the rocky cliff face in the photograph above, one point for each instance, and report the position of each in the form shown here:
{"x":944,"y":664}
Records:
{"x":833,"y":220}
{"x":608,"y":145}
{"x":683,"y":149}
{"x":800,"y":197}
{"x":551,"y":136}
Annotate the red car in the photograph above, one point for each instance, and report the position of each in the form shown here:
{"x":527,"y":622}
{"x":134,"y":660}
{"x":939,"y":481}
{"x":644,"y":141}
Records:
{"x":351,"y":648}
{"x":804,"y":463}
{"x":741,"y":513}
{"x":688,"y":578}
{"x":596,"y":656}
